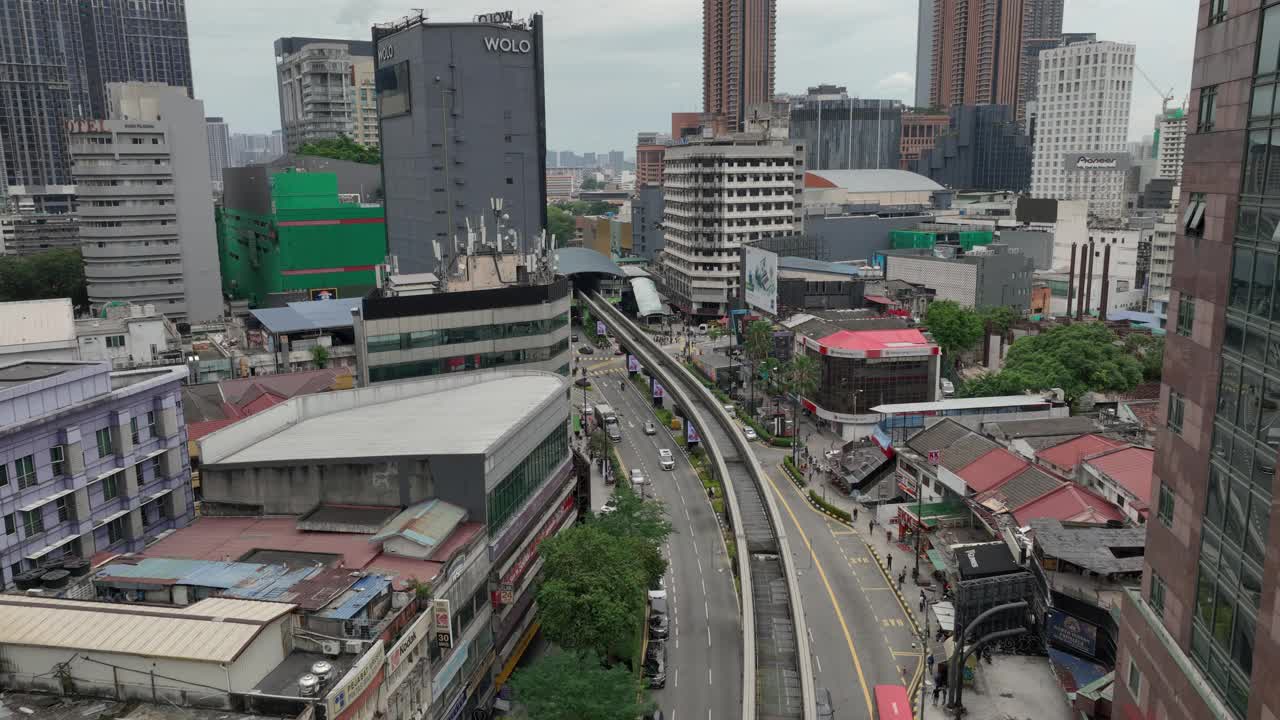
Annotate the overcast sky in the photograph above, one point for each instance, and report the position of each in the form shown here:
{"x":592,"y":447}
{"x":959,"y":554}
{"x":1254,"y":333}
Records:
{"x":615,"y":67}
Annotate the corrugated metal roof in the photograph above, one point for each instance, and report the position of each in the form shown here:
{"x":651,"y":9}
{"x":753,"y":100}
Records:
{"x":216,"y":630}
{"x":570,"y":261}
{"x":1069,"y":503}
{"x":1070,"y":453}
{"x":358,"y":597}
{"x":965,"y":450}
{"x":991,"y":469}
{"x":427,"y":524}
{"x":309,"y":315}
{"x":1021,"y":489}
{"x":1131,"y":467}
{"x":871,"y":181}
{"x":1090,"y":548}
{"x":937,"y":436}
{"x":648,"y":301}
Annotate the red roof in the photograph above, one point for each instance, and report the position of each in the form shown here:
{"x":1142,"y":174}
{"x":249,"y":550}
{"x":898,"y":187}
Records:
{"x":243,"y":397}
{"x":879,"y":299}
{"x":874,"y":339}
{"x":197,"y":430}
{"x":1069,"y":503}
{"x":219,"y":538}
{"x":991,"y":469}
{"x":1069,"y":454}
{"x":1131,"y":468}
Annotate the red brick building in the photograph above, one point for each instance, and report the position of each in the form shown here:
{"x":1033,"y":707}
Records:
{"x":919,"y":130}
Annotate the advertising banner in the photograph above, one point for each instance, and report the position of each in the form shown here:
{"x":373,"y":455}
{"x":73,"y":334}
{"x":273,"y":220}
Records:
{"x":1096,"y":161}
{"x":1072,"y":633}
{"x":443,"y":623}
{"x":658,"y":392}
{"x":600,"y":328}
{"x":357,"y":679}
{"x":691,"y":434}
{"x":761,"y":282}
{"x":633,"y":364}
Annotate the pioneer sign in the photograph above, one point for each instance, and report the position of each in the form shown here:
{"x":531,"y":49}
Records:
{"x":1096,"y":161}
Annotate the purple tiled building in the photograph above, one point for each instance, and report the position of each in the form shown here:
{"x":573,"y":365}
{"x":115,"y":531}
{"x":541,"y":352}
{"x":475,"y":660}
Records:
{"x":91,"y":461}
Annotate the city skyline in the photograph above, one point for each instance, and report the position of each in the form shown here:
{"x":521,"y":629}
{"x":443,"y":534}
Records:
{"x":657,"y":47}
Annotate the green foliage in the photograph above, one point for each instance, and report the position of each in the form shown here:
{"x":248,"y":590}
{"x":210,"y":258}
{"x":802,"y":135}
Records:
{"x":588,"y":207}
{"x":1149,"y":351}
{"x":801,"y":375}
{"x":50,"y":274}
{"x":1079,"y":358}
{"x":560,"y":225}
{"x":590,"y":184}
{"x":599,"y":445}
{"x":644,"y":521}
{"x":999,"y":318}
{"x":953,"y":327}
{"x":320,"y":356}
{"x":715,"y":331}
{"x":796,"y":476}
{"x":342,"y":148}
{"x":576,"y":686}
{"x":758,"y":346}
{"x":817,"y":500}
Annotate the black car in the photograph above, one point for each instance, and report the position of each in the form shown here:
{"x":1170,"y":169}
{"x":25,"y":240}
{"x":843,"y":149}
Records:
{"x":659,"y":627}
{"x":573,"y":337}
{"x":582,"y":382}
{"x":655,"y":665}
{"x":587,"y":350}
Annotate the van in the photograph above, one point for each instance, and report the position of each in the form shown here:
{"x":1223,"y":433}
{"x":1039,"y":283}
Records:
{"x":702,"y":329}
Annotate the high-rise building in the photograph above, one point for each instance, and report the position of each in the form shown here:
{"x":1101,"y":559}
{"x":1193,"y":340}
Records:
{"x":59,"y":55}
{"x":1170,"y":142}
{"x":1041,"y":30}
{"x":737,"y":58}
{"x":364,"y":119}
{"x":650,"y":149}
{"x":445,"y":163}
{"x":843,"y":133}
{"x":1160,"y":279}
{"x":318,"y":81}
{"x":146,"y":212}
{"x":1082,"y":125}
{"x":1199,"y":638}
{"x":981,"y":48}
{"x":255,"y":148}
{"x":589,"y":160}
{"x":219,"y":149}
{"x":983,"y":148}
{"x":919,"y":131}
{"x":924,"y":53}
{"x":757,"y":195}
{"x":616,"y":161}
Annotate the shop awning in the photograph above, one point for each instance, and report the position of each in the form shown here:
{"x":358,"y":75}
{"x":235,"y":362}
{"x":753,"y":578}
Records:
{"x":935,"y":557}
{"x":930,"y":514}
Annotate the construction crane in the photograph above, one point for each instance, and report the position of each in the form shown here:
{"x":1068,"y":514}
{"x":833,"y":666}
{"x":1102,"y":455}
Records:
{"x":1165,"y":97}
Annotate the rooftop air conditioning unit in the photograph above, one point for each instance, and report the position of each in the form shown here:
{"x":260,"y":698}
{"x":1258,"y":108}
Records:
{"x":332,"y":648}
{"x":355,"y":647}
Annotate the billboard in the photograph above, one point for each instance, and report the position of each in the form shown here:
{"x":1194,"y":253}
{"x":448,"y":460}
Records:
{"x":1096,"y":161}
{"x":657,"y":389}
{"x":761,"y":278}
{"x":600,"y":328}
{"x":691,"y":433}
{"x":1072,"y":633}
{"x":633,"y":364}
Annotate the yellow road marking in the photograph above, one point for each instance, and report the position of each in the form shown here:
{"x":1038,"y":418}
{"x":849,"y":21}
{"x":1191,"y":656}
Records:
{"x":857,"y":664}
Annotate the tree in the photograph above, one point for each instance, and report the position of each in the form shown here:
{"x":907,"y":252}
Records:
{"x":575,"y":686}
{"x":590,"y":184}
{"x":953,"y":327}
{"x":50,"y":274}
{"x":593,"y":590}
{"x":1078,"y":358}
{"x":644,"y":521}
{"x":599,"y":444}
{"x":342,"y":148}
{"x":759,"y":345}
{"x":801,"y":378}
{"x":999,"y":318}
{"x":1149,"y":352}
{"x":320,"y":356}
{"x":560,"y":225}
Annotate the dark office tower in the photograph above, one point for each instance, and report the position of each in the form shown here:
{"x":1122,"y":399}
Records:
{"x":737,"y":58}
{"x":1041,"y":30}
{"x":463,"y":124}
{"x":56,"y":57}
{"x":1202,"y":635}
{"x":843,"y":133}
{"x":981,"y":46}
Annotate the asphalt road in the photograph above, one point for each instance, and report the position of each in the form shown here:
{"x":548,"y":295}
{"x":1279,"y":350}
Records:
{"x":859,"y":633}
{"x":704,"y":650}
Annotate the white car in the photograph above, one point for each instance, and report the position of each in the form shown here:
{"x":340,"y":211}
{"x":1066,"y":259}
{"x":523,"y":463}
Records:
{"x":948,"y":388}
{"x":749,"y":434}
{"x":666,"y":459}
{"x":658,"y":590}
{"x":609,"y":506}
{"x":638,"y":482}
{"x":650,"y":428}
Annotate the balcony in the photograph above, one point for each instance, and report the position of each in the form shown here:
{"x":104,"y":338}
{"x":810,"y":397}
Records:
{"x":113,"y":251}
{"x":122,"y":170}
{"x":110,"y":290}
{"x":126,"y":270}
{"x":123,"y":191}
{"x":129,"y":232}
{"x":150,"y":212}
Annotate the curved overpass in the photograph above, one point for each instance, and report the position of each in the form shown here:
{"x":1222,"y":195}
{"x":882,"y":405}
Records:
{"x":775,"y":641}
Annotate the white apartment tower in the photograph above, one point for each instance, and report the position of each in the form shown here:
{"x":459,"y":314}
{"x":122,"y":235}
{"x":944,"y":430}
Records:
{"x":1160,"y":279}
{"x":146,"y":203}
{"x":219,"y":149}
{"x":718,"y":196}
{"x":1084,"y":96}
{"x":1171,"y":127}
{"x":320,"y":83}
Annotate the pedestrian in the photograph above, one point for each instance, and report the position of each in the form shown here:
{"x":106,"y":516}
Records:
{"x":937,"y":687}
{"x":871,"y":525}
{"x":855,"y":514}
{"x":889,"y":559}
{"x":902,"y":576}
{"x":921,"y":601}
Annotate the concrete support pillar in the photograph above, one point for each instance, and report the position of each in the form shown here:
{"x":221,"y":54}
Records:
{"x":171,"y":462}
{"x":167,"y":421}
{"x":133,"y":524}
{"x":130,"y":489}
{"x":121,"y":434}
{"x":80,"y":500}
{"x":87,"y":545}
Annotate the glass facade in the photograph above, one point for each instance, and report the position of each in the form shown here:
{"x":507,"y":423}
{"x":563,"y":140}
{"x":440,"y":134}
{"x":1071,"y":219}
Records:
{"x":460,"y":363}
{"x":511,"y":494}
{"x":853,"y":386}
{"x":1245,"y":435}
{"x":475,"y":333}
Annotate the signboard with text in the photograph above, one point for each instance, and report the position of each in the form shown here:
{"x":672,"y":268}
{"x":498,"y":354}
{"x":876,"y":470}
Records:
{"x":633,"y":364}
{"x":761,"y":281}
{"x":1071,"y":632}
{"x":355,"y":682}
{"x":1091,"y":162}
{"x":442,"y":623}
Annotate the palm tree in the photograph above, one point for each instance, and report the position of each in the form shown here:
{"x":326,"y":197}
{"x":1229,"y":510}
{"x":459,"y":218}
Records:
{"x":599,"y":444}
{"x":759,"y":346}
{"x":801,"y":378}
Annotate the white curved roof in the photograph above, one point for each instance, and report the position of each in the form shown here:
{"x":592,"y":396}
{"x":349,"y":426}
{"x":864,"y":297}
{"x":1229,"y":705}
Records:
{"x":648,"y":301}
{"x":871,"y":181}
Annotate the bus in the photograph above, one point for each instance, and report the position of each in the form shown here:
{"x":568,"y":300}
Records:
{"x":608,"y":419}
{"x":892,"y":703}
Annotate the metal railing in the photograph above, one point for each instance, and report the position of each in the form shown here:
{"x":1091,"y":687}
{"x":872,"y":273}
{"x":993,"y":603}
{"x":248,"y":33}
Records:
{"x":777,"y":672}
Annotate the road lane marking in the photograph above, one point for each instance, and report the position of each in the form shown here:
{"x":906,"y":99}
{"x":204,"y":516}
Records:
{"x":708,"y":636}
{"x":704,"y":587}
{"x":831,"y":595}
{"x":706,"y":610}
{"x":677,"y":677}
{"x":709,"y":683}
{"x":699,"y":564}
{"x":908,"y":653}
{"x":893,"y":622}
{"x":817,"y":660}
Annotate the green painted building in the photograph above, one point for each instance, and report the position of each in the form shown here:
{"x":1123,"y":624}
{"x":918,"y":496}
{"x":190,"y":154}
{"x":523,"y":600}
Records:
{"x":288,"y":232}
{"x":930,"y":236}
